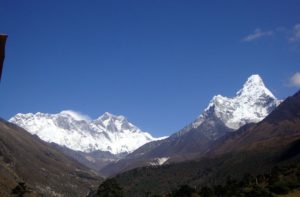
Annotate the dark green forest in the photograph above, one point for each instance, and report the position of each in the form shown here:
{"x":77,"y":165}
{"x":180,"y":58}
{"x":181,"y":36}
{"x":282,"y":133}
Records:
{"x":280,"y":180}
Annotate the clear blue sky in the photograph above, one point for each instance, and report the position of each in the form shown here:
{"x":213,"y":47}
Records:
{"x":157,"y":62}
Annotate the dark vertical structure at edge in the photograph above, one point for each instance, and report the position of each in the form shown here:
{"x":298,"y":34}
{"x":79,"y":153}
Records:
{"x":2,"y":52}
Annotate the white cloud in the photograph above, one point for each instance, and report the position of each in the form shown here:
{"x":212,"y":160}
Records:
{"x":295,"y":35}
{"x":76,"y":115}
{"x":295,"y":80}
{"x":258,"y":33}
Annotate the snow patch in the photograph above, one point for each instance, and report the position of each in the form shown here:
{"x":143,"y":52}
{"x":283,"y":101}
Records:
{"x":159,"y":161}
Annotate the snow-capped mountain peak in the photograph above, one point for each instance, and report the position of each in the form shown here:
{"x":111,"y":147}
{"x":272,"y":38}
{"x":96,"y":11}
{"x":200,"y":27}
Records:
{"x":115,"y":123}
{"x":108,"y":115}
{"x":251,"y":104}
{"x":254,"y":87}
{"x":109,"y":118}
{"x":78,"y":132}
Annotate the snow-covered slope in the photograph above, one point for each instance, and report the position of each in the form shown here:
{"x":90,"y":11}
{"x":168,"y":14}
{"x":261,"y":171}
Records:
{"x":251,"y":104}
{"x":70,"y":129}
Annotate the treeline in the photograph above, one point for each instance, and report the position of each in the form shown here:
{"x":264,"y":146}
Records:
{"x":280,"y":180}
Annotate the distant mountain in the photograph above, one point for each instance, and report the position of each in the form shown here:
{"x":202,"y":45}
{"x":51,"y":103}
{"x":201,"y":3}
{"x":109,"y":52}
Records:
{"x":95,"y":160}
{"x":223,"y":115}
{"x":251,"y":104}
{"x":108,"y":133}
{"x":280,"y":128}
{"x":25,"y":158}
{"x":255,"y":148}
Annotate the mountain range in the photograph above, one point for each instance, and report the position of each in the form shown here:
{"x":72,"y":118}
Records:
{"x":248,"y":133}
{"x":110,"y":144}
{"x":251,"y":104}
{"x":94,"y":143}
{"x":268,"y":147}
{"x":70,"y":129}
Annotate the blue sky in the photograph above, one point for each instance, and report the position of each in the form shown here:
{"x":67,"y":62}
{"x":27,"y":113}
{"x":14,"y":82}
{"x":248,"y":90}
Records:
{"x":157,"y":62}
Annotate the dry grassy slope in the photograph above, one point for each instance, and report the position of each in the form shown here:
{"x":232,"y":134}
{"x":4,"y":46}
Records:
{"x":24,"y":157}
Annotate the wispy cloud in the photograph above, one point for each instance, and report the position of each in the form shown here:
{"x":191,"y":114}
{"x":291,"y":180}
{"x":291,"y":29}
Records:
{"x":295,"y":34}
{"x":295,"y":80}
{"x":257,"y":34}
{"x":76,"y":115}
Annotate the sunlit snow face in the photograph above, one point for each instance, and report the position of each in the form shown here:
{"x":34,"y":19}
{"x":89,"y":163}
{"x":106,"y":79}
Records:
{"x":78,"y":132}
{"x":250,"y":105}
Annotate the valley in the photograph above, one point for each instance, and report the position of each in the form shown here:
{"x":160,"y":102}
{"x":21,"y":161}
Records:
{"x":149,"y":98}
{"x":251,"y":133}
